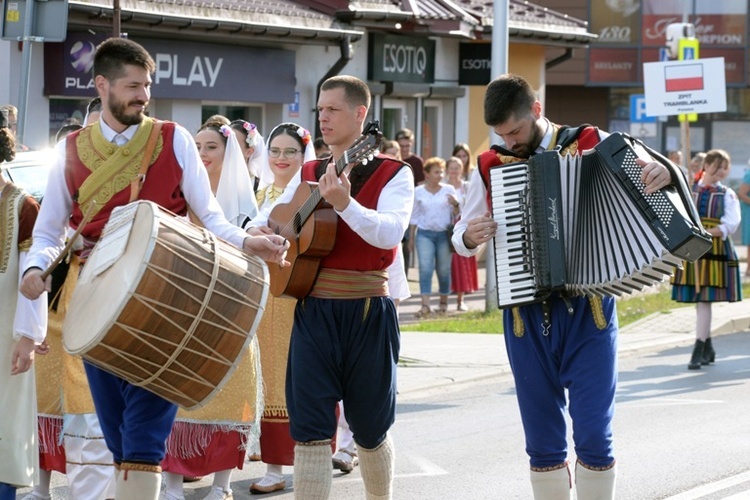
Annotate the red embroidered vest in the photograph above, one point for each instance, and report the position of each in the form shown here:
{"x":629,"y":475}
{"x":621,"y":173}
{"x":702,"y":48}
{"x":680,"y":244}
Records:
{"x":350,"y":251}
{"x":571,"y":141}
{"x":162,"y":184}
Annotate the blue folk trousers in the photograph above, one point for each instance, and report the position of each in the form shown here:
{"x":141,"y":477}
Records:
{"x":573,"y":355}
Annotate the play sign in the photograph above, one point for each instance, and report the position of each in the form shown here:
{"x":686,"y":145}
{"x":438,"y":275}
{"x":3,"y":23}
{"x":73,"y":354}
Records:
{"x":689,"y":86}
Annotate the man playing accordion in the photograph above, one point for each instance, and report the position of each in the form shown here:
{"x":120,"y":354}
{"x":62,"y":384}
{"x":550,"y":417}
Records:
{"x":564,"y":342}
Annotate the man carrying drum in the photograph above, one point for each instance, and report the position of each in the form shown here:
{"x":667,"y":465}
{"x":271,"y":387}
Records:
{"x":155,"y":161}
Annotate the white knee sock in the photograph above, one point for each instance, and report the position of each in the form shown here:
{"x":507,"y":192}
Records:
{"x":45,"y":476}
{"x":594,"y":484}
{"x":174,"y":484}
{"x":138,"y":482}
{"x":274,"y":468}
{"x":551,"y":485}
{"x":377,"y":468}
{"x":703,"y":320}
{"x":312,"y":471}
{"x":222,"y":479}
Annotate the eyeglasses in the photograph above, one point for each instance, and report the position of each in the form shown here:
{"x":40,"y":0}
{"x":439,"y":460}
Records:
{"x":288,"y":152}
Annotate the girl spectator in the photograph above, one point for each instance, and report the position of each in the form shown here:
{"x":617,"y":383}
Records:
{"x":715,"y":277}
{"x":463,"y":153}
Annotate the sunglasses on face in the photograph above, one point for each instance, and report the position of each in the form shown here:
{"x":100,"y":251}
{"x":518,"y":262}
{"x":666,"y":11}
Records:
{"x":288,"y":152}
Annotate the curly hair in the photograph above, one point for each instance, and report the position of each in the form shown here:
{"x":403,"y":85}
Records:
{"x":7,"y":145}
{"x":435,"y":161}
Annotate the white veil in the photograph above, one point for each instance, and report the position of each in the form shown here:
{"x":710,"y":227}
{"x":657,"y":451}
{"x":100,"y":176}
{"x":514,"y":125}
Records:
{"x":255,"y":140}
{"x":266,"y":174}
{"x":235,"y":191}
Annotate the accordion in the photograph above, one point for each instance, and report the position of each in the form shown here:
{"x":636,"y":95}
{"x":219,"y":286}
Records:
{"x":582,"y":224}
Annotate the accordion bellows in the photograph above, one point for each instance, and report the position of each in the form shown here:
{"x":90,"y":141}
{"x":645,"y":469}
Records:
{"x":582,"y":224}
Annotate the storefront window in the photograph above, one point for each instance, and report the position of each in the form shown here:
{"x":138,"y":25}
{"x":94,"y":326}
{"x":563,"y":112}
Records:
{"x":393,"y":118}
{"x":431,"y":129}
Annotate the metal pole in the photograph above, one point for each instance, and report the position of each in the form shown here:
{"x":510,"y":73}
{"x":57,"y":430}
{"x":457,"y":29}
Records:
{"x":685,"y":124}
{"x":499,"y":65}
{"x":116,"y":28}
{"x":23,"y":98}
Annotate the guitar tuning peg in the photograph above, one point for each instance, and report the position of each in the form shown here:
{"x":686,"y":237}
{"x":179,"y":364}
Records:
{"x":370,"y":156}
{"x":364,"y":161}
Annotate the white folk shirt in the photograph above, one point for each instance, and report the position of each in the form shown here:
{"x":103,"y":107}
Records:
{"x":52,"y":223}
{"x":383,"y":227}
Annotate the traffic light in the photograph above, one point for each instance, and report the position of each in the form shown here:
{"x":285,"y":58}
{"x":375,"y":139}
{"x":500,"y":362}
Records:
{"x":682,"y":45}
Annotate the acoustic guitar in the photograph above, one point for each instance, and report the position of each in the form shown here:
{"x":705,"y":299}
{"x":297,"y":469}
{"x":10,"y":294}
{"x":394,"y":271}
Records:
{"x":309,"y":223}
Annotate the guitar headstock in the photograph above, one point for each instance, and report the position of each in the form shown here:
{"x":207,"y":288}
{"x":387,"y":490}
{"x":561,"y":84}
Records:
{"x":364,"y":148}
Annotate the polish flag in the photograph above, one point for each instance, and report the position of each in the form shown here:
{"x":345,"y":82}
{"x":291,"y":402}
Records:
{"x":683,"y":78}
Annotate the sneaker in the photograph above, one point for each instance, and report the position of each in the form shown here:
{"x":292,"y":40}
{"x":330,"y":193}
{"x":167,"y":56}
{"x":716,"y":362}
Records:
{"x":219,"y":493}
{"x":269,"y":483}
{"x":345,"y":461}
{"x":462,"y":307}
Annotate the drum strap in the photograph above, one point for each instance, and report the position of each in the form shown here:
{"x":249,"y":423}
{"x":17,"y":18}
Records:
{"x":112,"y":167}
{"x":137,"y":183}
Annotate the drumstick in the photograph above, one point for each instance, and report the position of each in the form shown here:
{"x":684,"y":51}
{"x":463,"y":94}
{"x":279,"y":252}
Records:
{"x":86,"y":218}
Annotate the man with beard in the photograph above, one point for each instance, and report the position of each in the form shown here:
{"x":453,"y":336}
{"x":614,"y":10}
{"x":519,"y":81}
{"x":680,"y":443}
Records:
{"x":566,"y":342}
{"x":135,"y":422}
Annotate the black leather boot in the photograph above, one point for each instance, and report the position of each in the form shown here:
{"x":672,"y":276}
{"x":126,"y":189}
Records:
{"x":709,"y":355}
{"x":697,"y":357}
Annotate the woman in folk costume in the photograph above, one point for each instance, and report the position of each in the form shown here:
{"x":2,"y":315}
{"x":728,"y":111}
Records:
{"x":715,"y":277}
{"x":71,"y":440}
{"x":253,"y":148}
{"x":19,"y":336}
{"x":214,"y":438}
{"x":289,"y":146}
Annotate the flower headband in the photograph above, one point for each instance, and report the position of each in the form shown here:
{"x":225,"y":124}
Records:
{"x":250,"y":128}
{"x":225,"y":130}
{"x":305,"y":135}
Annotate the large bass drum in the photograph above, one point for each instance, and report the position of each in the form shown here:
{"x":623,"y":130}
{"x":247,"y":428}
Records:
{"x":165,"y":305}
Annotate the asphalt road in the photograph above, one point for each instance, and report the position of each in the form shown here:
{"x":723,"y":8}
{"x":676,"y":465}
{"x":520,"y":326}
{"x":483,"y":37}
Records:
{"x":679,"y":435}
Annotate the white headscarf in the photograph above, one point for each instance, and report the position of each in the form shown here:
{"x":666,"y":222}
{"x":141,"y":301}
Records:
{"x":235,"y":191}
{"x":266,"y":174}
{"x":254,"y":139}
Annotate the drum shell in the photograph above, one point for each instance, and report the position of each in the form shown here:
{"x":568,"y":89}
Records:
{"x":191,"y":308}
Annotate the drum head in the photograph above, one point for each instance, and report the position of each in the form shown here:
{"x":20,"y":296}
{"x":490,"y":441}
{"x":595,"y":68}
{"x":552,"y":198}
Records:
{"x":104,"y":287}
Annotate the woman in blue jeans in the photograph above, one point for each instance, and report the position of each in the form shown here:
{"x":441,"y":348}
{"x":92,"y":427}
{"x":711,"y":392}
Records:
{"x":435,"y":206}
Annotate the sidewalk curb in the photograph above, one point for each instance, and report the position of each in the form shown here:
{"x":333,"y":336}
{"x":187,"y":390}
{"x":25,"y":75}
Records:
{"x":658,"y":331}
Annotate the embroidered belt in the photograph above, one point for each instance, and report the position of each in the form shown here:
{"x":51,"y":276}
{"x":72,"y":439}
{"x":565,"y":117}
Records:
{"x":345,"y":284}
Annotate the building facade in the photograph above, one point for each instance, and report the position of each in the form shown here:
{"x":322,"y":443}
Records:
{"x":600,"y":81}
{"x":426,"y":61}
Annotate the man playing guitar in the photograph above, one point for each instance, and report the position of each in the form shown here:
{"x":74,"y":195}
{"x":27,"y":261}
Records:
{"x":345,"y":339}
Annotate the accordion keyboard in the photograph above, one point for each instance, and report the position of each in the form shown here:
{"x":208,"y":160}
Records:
{"x":513,"y":246}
